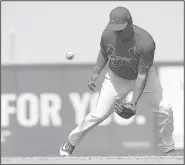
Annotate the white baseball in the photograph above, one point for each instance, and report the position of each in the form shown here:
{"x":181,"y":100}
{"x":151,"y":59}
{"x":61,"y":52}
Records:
{"x":69,"y":55}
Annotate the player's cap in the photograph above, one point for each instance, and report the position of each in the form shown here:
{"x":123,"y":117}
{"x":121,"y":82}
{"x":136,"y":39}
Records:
{"x":119,"y":18}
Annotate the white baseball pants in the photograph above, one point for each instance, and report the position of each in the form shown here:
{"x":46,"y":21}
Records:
{"x":114,"y":86}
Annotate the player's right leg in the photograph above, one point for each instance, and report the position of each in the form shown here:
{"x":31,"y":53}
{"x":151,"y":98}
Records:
{"x":153,"y":97}
{"x":112,"y":87}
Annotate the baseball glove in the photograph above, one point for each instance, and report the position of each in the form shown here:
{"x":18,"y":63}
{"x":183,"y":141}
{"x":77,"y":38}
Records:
{"x":126,"y":110}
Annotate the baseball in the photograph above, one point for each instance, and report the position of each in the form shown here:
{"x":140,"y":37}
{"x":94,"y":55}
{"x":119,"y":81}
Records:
{"x":69,"y":55}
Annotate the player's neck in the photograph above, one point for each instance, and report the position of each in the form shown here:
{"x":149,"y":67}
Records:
{"x":127,"y":34}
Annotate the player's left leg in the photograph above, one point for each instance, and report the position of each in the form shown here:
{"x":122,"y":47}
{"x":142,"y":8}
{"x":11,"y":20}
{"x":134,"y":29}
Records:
{"x":153,"y":97}
{"x":112,"y":87}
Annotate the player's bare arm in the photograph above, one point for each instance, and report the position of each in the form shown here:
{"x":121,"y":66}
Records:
{"x":100,"y":64}
{"x":145,"y":64}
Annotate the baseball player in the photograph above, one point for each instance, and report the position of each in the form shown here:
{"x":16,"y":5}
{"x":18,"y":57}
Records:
{"x":129,"y":51}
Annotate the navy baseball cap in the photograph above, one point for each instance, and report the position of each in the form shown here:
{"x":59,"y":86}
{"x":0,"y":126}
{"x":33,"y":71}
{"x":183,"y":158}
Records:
{"x":119,"y":18}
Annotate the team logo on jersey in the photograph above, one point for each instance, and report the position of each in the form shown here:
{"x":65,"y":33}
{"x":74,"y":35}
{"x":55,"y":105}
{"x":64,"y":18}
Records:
{"x":117,"y":61}
{"x":132,"y":53}
{"x":111,"y":50}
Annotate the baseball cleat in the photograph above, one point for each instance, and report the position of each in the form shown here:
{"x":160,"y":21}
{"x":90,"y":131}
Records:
{"x":66,"y":149}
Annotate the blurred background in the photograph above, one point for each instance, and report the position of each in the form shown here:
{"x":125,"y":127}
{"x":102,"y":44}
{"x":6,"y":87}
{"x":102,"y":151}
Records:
{"x":44,"y":95}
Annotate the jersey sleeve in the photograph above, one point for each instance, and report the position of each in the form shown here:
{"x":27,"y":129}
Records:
{"x":147,"y":57}
{"x":102,"y":47}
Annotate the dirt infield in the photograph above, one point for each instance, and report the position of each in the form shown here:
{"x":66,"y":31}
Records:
{"x":95,"y":160}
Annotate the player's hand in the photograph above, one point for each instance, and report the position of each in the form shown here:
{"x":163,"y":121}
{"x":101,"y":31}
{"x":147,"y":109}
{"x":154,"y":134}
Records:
{"x":91,"y":82}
